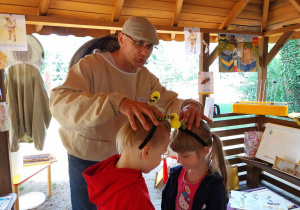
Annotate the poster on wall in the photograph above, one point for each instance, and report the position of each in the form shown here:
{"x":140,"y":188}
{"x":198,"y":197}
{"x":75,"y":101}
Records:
{"x":238,"y":53}
{"x":205,"y":83}
{"x":12,"y":33}
{"x":192,"y":41}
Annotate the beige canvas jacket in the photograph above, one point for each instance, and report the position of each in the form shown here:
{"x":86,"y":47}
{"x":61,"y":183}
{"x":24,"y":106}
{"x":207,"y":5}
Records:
{"x":87,"y":104}
{"x":27,"y":105}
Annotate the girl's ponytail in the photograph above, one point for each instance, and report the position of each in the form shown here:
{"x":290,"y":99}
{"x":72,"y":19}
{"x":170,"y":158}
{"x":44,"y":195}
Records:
{"x":218,"y":160}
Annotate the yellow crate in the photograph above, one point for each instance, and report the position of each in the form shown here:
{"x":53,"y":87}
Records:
{"x":260,"y":109}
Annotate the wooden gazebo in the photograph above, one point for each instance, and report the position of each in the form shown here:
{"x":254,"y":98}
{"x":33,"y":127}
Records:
{"x":274,"y":21}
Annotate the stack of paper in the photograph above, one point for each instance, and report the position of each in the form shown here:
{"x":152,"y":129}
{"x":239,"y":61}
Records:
{"x":260,"y":200}
{"x":4,"y":202}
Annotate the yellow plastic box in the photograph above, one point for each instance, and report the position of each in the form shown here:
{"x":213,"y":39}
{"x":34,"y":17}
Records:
{"x":260,"y":109}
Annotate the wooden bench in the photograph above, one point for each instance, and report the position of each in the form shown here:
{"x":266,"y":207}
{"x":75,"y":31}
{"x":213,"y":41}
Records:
{"x":254,"y":175}
{"x":230,"y":128}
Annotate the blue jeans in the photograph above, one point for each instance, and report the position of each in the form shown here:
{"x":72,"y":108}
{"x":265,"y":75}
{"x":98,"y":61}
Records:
{"x":78,"y":187}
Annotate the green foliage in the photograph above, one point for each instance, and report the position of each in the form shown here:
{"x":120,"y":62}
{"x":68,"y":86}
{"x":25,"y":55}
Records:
{"x":60,"y":69}
{"x":164,"y":68}
{"x":290,"y":71}
{"x":54,"y":185}
{"x":283,"y":80}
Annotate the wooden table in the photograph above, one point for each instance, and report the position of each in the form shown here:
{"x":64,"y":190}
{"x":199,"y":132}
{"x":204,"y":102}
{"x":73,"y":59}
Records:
{"x":254,"y":170}
{"x":29,"y":170}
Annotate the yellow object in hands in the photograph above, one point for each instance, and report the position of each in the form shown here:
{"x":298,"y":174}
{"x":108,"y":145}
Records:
{"x":175,"y":123}
{"x":155,"y":97}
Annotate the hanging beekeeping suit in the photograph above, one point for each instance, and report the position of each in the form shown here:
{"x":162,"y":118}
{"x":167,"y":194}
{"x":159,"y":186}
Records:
{"x":27,"y":99}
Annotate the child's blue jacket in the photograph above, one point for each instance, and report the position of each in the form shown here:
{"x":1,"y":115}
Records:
{"x":210,"y":194}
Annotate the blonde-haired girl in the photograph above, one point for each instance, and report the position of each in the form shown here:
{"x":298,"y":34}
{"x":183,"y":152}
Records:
{"x":200,"y":182}
{"x":118,"y":183}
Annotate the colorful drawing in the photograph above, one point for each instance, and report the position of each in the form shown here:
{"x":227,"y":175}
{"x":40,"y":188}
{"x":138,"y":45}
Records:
{"x":238,"y":53}
{"x":192,"y":40}
{"x":12,"y":33}
{"x":10,"y":26}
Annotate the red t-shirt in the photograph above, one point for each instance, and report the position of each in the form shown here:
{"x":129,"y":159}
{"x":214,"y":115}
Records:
{"x":186,"y":192}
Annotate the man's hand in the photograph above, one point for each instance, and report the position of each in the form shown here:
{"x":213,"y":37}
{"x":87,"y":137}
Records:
{"x":132,"y":108}
{"x":191,"y":114}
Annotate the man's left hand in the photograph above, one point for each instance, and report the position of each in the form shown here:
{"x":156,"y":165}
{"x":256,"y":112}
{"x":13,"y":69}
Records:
{"x":191,"y":114}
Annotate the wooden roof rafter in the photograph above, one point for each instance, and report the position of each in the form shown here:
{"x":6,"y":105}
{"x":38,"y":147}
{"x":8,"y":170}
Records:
{"x":279,"y":44}
{"x":43,"y":10}
{"x":296,"y":4}
{"x":177,"y":11}
{"x":236,"y":10}
{"x":265,"y":15}
{"x":117,"y":10}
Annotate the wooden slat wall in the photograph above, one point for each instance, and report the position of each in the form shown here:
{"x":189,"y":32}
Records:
{"x":282,"y":121}
{"x":232,"y":136}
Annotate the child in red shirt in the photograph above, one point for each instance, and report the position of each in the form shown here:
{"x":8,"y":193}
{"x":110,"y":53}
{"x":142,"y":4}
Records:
{"x":118,"y":183}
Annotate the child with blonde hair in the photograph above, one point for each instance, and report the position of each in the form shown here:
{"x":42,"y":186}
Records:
{"x":200,"y":182}
{"x":118,"y":183}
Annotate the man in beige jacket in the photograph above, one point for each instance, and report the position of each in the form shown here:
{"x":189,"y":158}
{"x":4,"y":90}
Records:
{"x":101,"y":92}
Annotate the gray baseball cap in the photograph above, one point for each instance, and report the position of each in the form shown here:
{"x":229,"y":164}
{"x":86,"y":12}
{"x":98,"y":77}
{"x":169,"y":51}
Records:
{"x":140,"y":28}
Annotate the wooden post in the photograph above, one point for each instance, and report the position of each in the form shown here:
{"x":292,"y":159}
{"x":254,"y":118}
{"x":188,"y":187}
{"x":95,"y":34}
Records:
{"x":253,"y":174}
{"x":49,"y":189}
{"x":262,"y":76}
{"x":204,"y":62}
{"x":262,"y":71}
{"x":5,"y":174}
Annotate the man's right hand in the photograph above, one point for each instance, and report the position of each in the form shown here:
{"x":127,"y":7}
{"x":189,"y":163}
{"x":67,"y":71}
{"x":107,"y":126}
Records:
{"x":132,"y":108}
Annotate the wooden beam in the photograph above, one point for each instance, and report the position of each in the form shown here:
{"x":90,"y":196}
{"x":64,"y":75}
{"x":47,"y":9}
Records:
{"x":117,"y":10}
{"x":108,"y":25}
{"x":43,"y":10}
{"x":275,"y":32}
{"x":296,"y":4}
{"x":203,"y":62}
{"x":44,"y":6}
{"x":265,"y":15}
{"x":177,"y":11}
{"x":173,"y":36}
{"x":213,"y":56}
{"x":279,"y":44}
{"x":62,"y":31}
{"x":238,"y":7}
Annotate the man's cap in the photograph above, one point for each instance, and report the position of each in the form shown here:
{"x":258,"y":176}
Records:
{"x":140,"y":28}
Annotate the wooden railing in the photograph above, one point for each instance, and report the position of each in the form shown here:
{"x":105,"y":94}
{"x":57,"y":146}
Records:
{"x":231,"y":127}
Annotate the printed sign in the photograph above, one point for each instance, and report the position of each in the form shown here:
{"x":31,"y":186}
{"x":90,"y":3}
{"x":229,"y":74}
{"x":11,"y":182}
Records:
{"x":12,"y":33}
{"x":192,"y":41}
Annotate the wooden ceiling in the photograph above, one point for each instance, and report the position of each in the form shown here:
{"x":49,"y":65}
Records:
{"x":102,"y":17}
